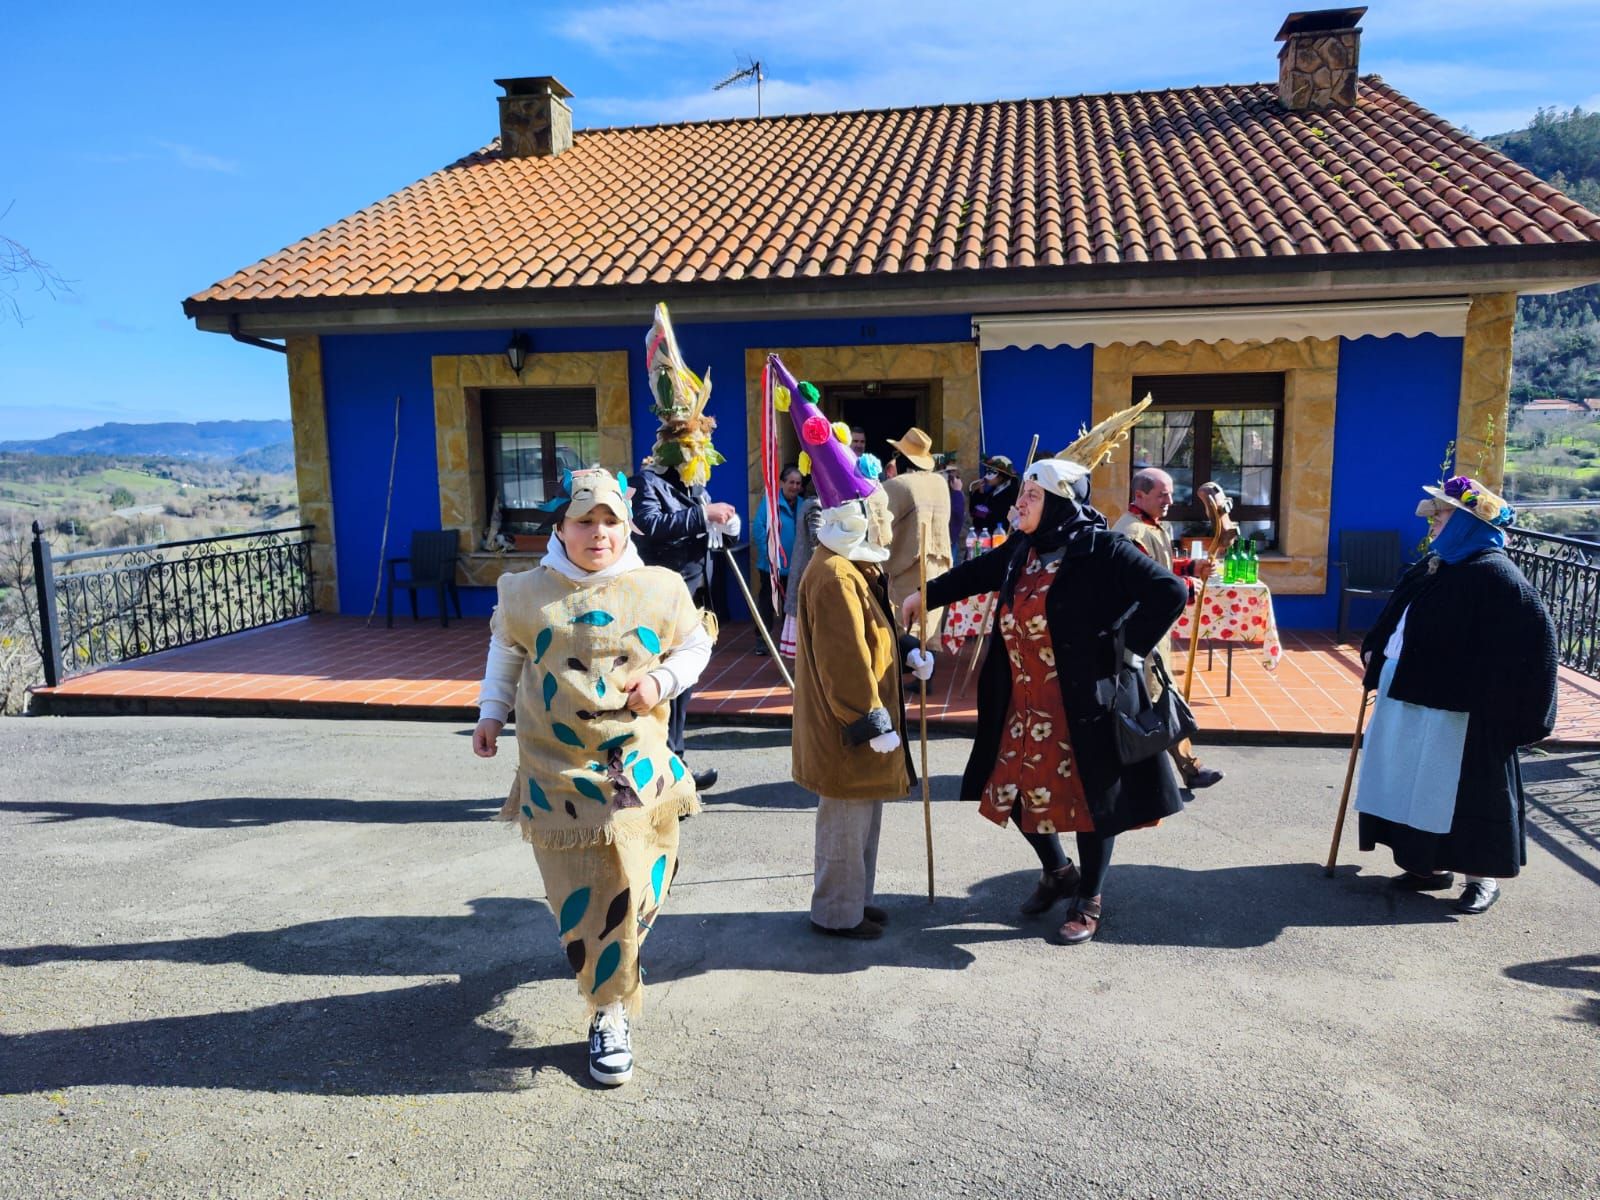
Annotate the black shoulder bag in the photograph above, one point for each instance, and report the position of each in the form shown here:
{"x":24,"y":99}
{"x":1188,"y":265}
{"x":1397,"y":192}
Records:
{"x":1145,"y":728}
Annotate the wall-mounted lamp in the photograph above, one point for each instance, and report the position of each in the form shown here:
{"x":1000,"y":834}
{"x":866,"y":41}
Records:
{"x":517,"y":351}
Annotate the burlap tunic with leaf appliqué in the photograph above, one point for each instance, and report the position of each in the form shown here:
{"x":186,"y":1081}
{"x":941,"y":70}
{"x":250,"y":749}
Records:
{"x":1035,"y":765}
{"x":597,"y":791}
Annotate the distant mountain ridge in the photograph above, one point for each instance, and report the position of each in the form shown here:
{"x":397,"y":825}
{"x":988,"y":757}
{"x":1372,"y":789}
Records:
{"x":221,"y":440}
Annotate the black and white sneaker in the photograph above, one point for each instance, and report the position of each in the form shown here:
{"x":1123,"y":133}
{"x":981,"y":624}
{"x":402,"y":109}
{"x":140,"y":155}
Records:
{"x":610,"y":1048}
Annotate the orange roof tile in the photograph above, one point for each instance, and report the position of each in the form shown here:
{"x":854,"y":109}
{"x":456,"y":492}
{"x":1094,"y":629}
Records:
{"x":1198,"y":175}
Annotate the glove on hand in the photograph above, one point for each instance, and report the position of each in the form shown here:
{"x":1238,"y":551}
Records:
{"x":921,"y":664}
{"x":886,"y":743}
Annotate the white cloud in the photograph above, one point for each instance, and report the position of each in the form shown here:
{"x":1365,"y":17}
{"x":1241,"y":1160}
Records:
{"x":199,"y":160}
{"x":1460,"y":57}
{"x":174,"y":152}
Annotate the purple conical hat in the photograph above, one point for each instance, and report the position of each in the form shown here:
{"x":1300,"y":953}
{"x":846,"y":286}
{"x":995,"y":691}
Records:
{"x":832,"y":466}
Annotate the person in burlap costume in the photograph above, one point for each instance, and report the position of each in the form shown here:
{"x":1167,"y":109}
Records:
{"x":1144,"y":526}
{"x":590,"y":647}
{"x":919,"y":503}
{"x":849,"y":700}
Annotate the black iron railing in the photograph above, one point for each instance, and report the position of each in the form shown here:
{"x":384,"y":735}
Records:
{"x":1566,"y":573}
{"x":107,"y":606}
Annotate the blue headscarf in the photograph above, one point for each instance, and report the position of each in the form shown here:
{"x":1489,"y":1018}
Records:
{"x":1464,"y":535}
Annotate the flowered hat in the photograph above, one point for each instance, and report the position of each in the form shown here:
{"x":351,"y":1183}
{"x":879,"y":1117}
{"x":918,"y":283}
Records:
{"x":1000,"y":465}
{"x":1467,"y":494}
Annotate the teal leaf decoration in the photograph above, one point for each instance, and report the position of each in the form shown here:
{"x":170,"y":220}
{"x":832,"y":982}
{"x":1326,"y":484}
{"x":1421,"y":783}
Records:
{"x":536,"y":797}
{"x":541,"y":644}
{"x":599,"y":688}
{"x":566,"y":736}
{"x":549,"y":690}
{"x":658,"y":876}
{"x":632,"y":754}
{"x":615,"y":743}
{"x":677,"y":768}
{"x":572,"y":910}
{"x":642,"y":772}
{"x":593,"y":617}
{"x":648,"y":638}
{"x":606,"y":965}
{"x":527,"y":812}
{"x":589,"y":788}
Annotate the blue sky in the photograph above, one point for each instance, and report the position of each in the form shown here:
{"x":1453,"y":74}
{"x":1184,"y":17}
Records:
{"x":149,"y":150}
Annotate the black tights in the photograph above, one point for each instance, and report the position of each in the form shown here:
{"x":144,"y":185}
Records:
{"x":1094,"y":855}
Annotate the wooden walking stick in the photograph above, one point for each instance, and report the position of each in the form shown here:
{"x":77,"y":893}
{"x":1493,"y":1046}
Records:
{"x":922,"y":633}
{"x":755,"y":611}
{"x":1223,"y":534}
{"x":1349,"y":778}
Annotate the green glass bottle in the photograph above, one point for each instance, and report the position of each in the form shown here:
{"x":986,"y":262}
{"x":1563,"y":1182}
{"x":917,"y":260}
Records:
{"x":1250,"y":561}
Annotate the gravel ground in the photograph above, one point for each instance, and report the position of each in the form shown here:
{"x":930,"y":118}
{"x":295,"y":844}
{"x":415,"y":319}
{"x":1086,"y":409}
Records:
{"x":294,"y":959}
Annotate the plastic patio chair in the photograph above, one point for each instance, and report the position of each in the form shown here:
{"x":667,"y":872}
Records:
{"x":431,"y":565}
{"x":1369,"y":566}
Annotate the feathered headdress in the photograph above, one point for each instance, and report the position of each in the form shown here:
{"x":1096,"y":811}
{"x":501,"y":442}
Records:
{"x":1094,"y":446}
{"x":683,"y":439}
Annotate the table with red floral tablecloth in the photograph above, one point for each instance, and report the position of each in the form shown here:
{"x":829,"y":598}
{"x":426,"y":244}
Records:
{"x":972,"y":617}
{"x":1236,"y":614}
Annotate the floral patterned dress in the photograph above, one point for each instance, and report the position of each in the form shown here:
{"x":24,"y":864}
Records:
{"x":1035,"y":764}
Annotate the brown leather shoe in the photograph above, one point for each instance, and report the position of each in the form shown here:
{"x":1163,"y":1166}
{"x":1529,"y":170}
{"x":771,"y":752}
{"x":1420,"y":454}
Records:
{"x":1053,"y":886}
{"x":1084,"y":922}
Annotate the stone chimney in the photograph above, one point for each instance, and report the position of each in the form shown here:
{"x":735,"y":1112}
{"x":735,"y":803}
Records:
{"x":1317,"y":67}
{"x":535,"y":121}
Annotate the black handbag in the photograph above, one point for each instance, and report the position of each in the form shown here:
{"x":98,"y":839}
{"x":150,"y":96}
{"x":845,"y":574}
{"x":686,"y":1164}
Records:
{"x":1145,"y":728}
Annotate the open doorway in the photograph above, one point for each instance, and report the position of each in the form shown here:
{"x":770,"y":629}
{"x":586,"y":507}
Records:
{"x":884,"y":409}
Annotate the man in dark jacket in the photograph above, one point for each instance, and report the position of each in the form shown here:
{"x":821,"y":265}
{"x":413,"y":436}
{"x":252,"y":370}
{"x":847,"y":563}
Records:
{"x":674,"y":522}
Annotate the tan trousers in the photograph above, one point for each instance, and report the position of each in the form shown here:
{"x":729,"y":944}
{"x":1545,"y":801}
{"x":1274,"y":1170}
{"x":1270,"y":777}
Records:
{"x":846,"y":867}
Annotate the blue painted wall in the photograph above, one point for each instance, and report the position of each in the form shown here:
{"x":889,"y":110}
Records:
{"x":362,"y":375}
{"x":1034,"y":391}
{"x":1397,"y":403}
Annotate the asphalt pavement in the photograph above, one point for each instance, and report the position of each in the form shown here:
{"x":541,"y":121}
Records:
{"x":257,"y":958}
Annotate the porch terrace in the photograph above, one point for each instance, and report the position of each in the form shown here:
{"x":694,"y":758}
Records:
{"x":338,"y":667}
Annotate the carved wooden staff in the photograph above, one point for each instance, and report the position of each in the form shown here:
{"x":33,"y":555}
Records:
{"x":1223,"y":534}
{"x":1349,"y":778}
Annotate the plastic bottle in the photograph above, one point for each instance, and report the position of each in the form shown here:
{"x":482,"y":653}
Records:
{"x":972,"y":543}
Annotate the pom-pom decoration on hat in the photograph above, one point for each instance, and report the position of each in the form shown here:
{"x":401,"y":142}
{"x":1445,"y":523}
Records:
{"x":842,"y":432}
{"x":683,"y":439}
{"x":832,"y":466}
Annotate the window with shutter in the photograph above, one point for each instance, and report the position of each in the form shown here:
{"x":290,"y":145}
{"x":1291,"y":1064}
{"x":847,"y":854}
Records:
{"x":531,"y":438}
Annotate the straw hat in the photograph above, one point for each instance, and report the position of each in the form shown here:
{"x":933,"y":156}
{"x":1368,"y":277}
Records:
{"x":1000,"y":465}
{"x":1467,"y":494}
{"x":917,"y":447}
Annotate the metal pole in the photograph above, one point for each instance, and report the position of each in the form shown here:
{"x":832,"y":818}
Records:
{"x":44,"y":583}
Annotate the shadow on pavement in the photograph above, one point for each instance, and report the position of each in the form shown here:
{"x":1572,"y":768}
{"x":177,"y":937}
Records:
{"x":445,"y":1035}
{"x":1579,"y":973}
{"x":243,"y":812}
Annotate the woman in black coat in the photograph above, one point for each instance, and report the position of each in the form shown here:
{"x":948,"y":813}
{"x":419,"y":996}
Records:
{"x":1045,"y":752}
{"x":1464,"y":663}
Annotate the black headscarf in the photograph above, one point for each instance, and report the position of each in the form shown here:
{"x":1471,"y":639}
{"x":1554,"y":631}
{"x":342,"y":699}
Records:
{"x":1060,"y":521}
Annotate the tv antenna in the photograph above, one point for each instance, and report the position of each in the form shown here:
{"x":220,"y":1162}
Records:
{"x":750,"y":69}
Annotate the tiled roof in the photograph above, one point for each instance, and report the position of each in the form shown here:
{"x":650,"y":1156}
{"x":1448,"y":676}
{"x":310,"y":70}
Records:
{"x":1193,"y":175}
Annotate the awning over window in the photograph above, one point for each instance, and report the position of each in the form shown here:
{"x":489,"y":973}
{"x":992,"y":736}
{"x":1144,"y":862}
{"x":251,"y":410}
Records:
{"x":1250,"y":323}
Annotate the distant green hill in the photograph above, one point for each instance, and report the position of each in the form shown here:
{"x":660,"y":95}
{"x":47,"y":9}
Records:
{"x":1557,"y":348}
{"x":277,"y":459}
{"x":220,"y":440}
